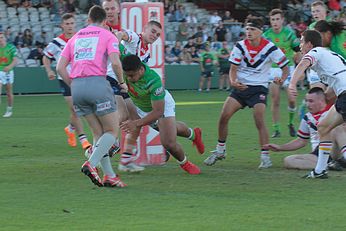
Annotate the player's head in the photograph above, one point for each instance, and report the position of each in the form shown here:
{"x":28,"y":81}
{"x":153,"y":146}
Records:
{"x":224,"y":44}
{"x":318,"y":10}
{"x":133,"y":68}
{"x":2,"y":39}
{"x":96,"y":15}
{"x":315,"y":100}
{"x":152,"y":32}
{"x":328,"y":30}
{"x":276,"y":17}
{"x":68,"y":23}
{"x":309,"y":40}
{"x":253,"y":27}
{"x":112,"y":9}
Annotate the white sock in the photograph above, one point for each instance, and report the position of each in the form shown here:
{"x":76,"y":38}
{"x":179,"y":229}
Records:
{"x":191,"y":134}
{"x":221,"y":147}
{"x":183,"y":161}
{"x":324,"y":150}
{"x":9,"y":109}
{"x":101,"y":148}
{"x":106,"y":166}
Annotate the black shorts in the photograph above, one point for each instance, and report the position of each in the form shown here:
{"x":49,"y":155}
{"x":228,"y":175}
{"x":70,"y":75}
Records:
{"x":251,"y":96}
{"x":340,"y":105}
{"x":207,"y":74}
{"x":64,"y":88}
{"x":224,"y":71}
{"x":116,"y":88}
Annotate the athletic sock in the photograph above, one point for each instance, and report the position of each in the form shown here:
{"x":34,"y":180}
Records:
{"x":192,"y":134}
{"x":276,"y":127}
{"x":291,"y":113}
{"x":221,"y":146}
{"x":324,"y":150}
{"x":9,"y":109}
{"x":126,"y":158}
{"x":183,"y":161}
{"x":70,"y":127}
{"x":343,"y":152}
{"x":101,"y":148}
{"x":265,"y":151}
{"x":106,"y":166}
{"x":82,"y":138}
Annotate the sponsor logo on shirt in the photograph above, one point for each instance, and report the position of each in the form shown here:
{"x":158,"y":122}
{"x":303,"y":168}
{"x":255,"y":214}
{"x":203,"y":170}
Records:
{"x":103,"y":106}
{"x":159,"y":91}
{"x":85,"y":48}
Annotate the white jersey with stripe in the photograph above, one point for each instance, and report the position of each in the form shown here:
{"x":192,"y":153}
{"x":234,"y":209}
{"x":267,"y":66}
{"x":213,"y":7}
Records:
{"x":254,"y":63}
{"x":110,"y":71}
{"x":308,"y":127}
{"x":54,"y":48}
{"x":330,"y":67}
{"x":135,"y":46}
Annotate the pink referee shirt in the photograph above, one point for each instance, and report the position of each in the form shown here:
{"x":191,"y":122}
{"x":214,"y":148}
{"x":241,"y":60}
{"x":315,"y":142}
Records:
{"x":88,"y":51}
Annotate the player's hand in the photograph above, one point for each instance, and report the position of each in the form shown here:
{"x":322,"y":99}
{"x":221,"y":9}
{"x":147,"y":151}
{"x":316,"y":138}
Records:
{"x":51,"y":75}
{"x":124,"y":87}
{"x":278,"y":81}
{"x":292,"y":91}
{"x":238,"y":85}
{"x":6,"y":69}
{"x":128,"y":126}
{"x":272,"y":147}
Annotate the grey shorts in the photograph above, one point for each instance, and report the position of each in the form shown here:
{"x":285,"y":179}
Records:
{"x":92,"y":95}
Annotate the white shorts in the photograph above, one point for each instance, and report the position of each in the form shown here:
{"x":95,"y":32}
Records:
{"x":6,"y":77}
{"x":169,"y":107}
{"x":277,"y":72}
{"x":312,"y":77}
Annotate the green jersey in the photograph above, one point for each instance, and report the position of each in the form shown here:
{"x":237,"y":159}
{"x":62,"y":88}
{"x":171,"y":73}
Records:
{"x":312,"y":25}
{"x":223,"y":62}
{"x":148,"y":88}
{"x":7,"y":54}
{"x":338,"y":44}
{"x":207,"y":60}
{"x":286,"y":40}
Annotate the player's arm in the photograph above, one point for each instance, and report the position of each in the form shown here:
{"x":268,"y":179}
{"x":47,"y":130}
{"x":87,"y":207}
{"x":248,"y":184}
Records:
{"x":47,"y":65}
{"x":157,"y":112}
{"x":290,"y":146}
{"x":117,"y":68}
{"x":61,"y":68}
{"x":233,"y":78}
{"x":11,"y":65}
{"x":122,"y":35}
{"x":298,"y":74}
{"x":284,"y":75}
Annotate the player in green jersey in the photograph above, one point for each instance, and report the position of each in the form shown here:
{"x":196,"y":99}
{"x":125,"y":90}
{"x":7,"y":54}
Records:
{"x":8,"y":59}
{"x":208,"y":62}
{"x":287,"y":41}
{"x":153,"y":105}
{"x":318,"y":12}
{"x":224,"y":65}
{"x":333,"y":36}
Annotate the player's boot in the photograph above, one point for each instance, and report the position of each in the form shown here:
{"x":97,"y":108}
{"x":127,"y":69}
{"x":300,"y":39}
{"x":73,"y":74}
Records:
{"x":130,"y":167}
{"x":214,"y":156}
{"x":198,"y":142}
{"x":292,"y":130}
{"x":7,"y":114}
{"x":91,"y":173}
{"x":313,"y":174}
{"x":276,"y":134}
{"x":86,"y":145}
{"x":190,"y":168}
{"x":265,"y":161}
{"x":113,"y":182}
{"x":71,"y":138}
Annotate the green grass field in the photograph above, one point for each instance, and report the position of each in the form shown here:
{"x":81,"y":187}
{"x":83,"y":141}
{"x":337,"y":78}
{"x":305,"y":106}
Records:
{"x":42,"y":188}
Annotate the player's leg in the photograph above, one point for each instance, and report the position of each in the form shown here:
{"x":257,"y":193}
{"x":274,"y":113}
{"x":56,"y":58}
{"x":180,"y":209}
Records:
{"x":332,"y":119}
{"x":193,"y":134}
{"x":9,"y":93}
{"x":275,"y":108}
{"x":209,"y":82}
{"x":221,"y":80}
{"x":339,"y":143}
{"x":168,"y":136}
{"x":291,"y":106}
{"x":230,"y":106}
{"x":201,"y":81}
{"x":300,"y":161}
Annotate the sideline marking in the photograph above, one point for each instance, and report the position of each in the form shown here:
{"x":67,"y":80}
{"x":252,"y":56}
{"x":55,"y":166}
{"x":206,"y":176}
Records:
{"x":198,"y":103}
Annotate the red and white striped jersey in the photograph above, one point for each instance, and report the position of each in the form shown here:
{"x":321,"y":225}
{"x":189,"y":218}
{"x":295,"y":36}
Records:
{"x":254,"y":63}
{"x":134,"y":45}
{"x":308,"y":127}
{"x":54,"y":48}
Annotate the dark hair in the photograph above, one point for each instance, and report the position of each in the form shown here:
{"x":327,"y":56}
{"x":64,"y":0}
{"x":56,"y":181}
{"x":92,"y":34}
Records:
{"x":313,"y":36}
{"x":276,"y":11}
{"x":131,"y":63}
{"x":254,"y":21}
{"x":97,"y":14}
{"x":155,"y":23}
{"x":316,"y":90}
{"x":66,"y":16}
{"x":334,"y":27}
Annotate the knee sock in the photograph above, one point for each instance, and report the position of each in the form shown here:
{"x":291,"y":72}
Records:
{"x":101,"y":148}
{"x":324,"y":150}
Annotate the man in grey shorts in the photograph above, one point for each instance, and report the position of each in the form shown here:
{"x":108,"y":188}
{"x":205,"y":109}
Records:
{"x":91,"y":93}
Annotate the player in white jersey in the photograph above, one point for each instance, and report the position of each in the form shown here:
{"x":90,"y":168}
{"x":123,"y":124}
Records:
{"x":251,"y":60}
{"x":331,"y":68}
{"x":52,"y":52}
{"x":318,"y":109}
